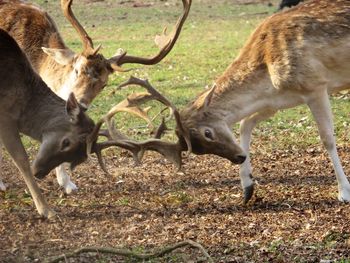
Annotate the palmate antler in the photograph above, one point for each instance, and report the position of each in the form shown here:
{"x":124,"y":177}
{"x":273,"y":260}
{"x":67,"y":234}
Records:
{"x":159,"y":97}
{"x":171,"y":151}
{"x":132,"y":105}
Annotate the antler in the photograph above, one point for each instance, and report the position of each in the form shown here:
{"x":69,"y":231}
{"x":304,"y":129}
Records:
{"x":156,"y":95}
{"x":164,"y":42}
{"x":171,"y":151}
{"x":131,"y":105}
{"x":88,"y":46}
{"x":160,"y":130}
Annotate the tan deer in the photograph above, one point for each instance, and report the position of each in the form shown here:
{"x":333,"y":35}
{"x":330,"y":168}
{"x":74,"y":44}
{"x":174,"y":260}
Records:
{"x":299,"y":56}
{"x":28,"y":106}
{"x":85,"y":74}
{"x":295,"y":57}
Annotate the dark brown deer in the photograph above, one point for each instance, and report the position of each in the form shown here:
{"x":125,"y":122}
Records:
{"x":28,"y":106}
{"x":85,"y":74}
{"x":295,"y":57}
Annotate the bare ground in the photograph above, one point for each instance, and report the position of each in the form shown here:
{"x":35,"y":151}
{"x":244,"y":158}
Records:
{"x":294,"y":217}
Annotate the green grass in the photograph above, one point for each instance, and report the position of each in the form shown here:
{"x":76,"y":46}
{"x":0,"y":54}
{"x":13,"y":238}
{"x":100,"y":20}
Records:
{"x":212,"y":37}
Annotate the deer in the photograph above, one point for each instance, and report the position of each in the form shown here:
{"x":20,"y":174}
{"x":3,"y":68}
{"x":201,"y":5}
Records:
{"x":299,"y":56}
{"x":295,"y":57}
{"x":28,"y":106}
{"x":85,"y":73}
{"x":66,"y":133}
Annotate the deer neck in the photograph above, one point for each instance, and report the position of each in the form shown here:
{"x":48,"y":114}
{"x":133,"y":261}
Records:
{"x":55,"y":75}
{"x":239,"y":94}
{"x":45,"y":112}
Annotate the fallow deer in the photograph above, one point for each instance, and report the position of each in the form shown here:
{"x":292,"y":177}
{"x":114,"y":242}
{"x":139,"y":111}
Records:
{"x":299,"y":56}
{"x":66,"y":133}
{"x":85,"y":74}
{"x":295,"y":57}
{"x":28,"y":106}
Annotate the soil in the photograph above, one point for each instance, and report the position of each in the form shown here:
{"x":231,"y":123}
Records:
{"x":294,"y":215}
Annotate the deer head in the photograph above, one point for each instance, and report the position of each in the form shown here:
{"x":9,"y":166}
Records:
{"x":208,"y":130}
{"x":87,"y":72}
{"x":64,"y":143}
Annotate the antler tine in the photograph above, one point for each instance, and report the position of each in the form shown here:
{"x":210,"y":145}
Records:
{"x":160,"y":130}
{"x":166,"y":43}
{"x":68,"y":13}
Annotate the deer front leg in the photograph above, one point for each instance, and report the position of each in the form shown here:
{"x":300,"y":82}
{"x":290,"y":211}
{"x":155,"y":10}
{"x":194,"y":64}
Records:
{"x":246,"y":127}
{"x":2,"y":185}
{"x":321,"y":110}
{"x":10,"y":138}
{"x":64,"y":180}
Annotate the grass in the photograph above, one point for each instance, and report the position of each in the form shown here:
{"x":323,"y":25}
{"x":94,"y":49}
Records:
{"x":212,"y":37}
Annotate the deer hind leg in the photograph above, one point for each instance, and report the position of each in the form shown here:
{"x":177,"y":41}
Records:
{"x":2,"y":185}
{"x":64,"y":180}
{"x":10,"y":138}
{"x":246,"y":127}
{"x":321,"y":110}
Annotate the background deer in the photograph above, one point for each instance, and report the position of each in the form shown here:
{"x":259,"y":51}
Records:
{"x":288,"y":3}
{"x":295,"y":57}
{"x":85,"y":74}
{"x":30,"y":107}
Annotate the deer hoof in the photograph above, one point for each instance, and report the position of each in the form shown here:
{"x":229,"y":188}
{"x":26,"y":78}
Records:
{"x":248,"y":193}
{"x":70,"y":188}
{"x":51,"y":214}
{"x":47,"y":213}
{"x":2,"y":187}
{"x":344,"y":195}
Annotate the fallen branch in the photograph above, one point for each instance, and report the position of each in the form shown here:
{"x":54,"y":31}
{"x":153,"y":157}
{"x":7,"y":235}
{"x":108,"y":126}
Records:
{"x":128,"y":253}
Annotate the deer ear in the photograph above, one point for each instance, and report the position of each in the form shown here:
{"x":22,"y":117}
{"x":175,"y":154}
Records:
{"x":205,"y":98}
{"x":61,"y":56}
{"x":209,"y":96}
{"x":73,"y":108}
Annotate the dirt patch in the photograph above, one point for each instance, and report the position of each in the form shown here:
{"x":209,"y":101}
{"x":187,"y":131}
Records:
{"x":294,"y":216}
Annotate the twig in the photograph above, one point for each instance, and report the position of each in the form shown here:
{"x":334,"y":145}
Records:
{"x":128,"y":253}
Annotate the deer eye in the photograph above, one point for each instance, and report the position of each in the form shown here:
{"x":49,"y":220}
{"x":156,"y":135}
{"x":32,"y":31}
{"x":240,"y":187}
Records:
{"x":208,"y":134}
{"x":65,"y":144}
{"x":76,"y":72}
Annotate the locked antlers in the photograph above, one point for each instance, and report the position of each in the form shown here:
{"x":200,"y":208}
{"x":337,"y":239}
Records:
{"x":171,"y":151}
